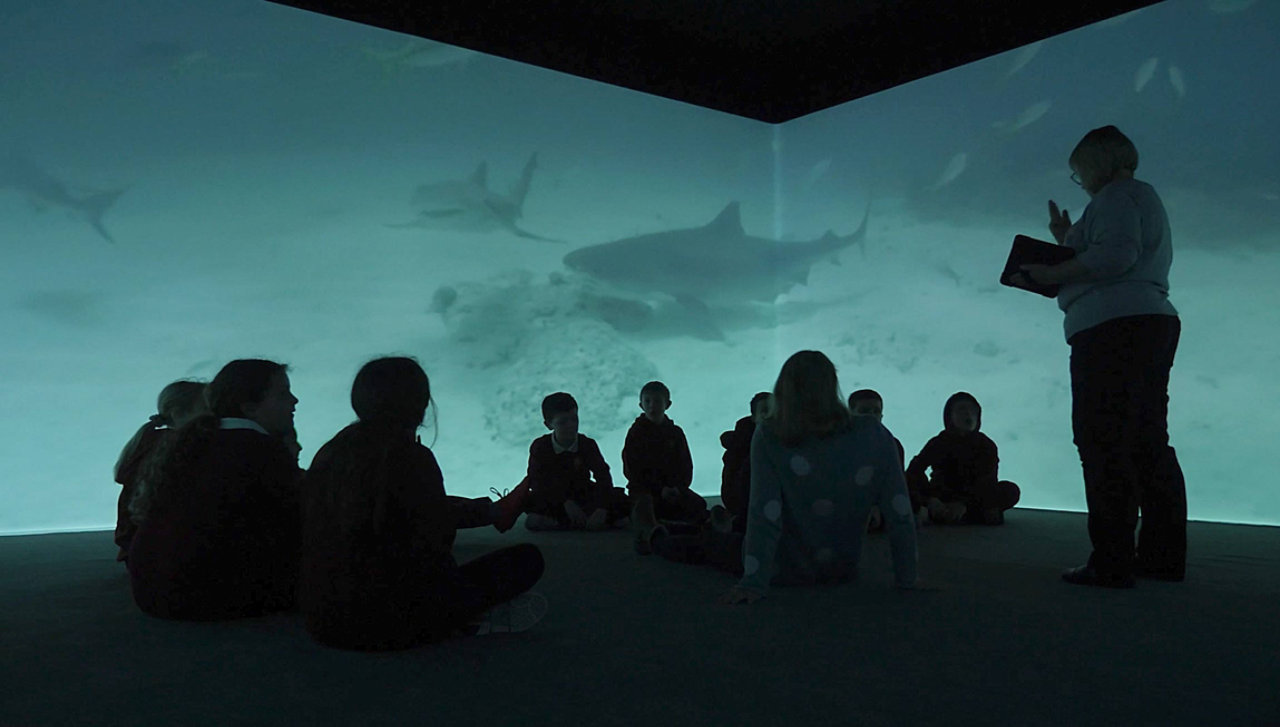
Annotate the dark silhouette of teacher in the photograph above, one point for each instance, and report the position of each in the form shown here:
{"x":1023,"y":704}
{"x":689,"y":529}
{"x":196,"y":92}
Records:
{"x":1123,"y":333}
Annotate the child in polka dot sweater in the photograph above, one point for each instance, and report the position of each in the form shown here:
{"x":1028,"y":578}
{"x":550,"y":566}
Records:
{"x":816,"y":472}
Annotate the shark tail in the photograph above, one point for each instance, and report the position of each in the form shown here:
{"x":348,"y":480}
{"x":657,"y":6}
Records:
{"x":521,"y":188}
{"x":95,"y":206}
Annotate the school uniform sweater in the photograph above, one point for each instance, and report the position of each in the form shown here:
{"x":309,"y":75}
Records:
{"x":227,"y":544}
{"x":655,"y":456}
{"x":370,"y":583}
{"x":810,"y":503}
{"x":558,"y":474}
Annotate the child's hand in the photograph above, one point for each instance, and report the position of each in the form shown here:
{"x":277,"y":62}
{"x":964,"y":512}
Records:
{"x":738,"y":594}
{"x":670,"y":494}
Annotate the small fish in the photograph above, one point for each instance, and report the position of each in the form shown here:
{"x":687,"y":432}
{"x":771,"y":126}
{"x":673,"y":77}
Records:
{"x":816,"y":173}
{"x":1030,"y":115}
{"x":419,"y":53}
{"x":1023,"y":57}
{"x":1144,"y":74}
{"x":954,"y":168}
{"x":1177,"y":81}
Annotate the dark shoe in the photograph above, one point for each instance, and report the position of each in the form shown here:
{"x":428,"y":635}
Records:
{"x":1160,"y":574}
{"x":1085,"y":575}
{"x":510,"y":506}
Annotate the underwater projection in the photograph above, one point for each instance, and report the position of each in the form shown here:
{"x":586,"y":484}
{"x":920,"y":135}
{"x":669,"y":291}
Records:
{"x":182,"y":184}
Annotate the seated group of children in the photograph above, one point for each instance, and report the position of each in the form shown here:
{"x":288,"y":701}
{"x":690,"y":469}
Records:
{"x":211,"y":483}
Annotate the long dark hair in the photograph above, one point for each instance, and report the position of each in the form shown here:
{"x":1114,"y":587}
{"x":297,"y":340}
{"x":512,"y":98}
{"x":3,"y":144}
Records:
{"x":240,"y":382}
{"x":806,"y":402}
{"x":348,"y":486}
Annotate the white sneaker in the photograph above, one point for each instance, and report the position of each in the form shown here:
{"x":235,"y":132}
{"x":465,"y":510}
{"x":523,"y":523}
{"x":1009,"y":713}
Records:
{"x":518,"y":614}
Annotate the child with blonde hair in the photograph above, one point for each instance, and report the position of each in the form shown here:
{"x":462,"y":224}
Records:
{"x":178,"y":403}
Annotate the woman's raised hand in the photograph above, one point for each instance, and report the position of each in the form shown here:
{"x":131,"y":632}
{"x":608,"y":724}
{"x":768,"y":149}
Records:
{"x":1059,"y":222}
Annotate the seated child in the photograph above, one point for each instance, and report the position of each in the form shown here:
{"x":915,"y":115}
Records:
{"x":868,"y":403}
{"x":377,"y":569}
{"x":735,"y":479}
{"x":657,"y":463}
{"x":815,"y":473}
{"x":178,"y":403}
{"x":963,"y":485}
{"x":217,"y":506}
{"x":569,"y":481}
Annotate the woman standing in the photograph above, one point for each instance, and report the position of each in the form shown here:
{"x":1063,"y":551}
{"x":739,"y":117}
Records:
{"x":1123,"y":333}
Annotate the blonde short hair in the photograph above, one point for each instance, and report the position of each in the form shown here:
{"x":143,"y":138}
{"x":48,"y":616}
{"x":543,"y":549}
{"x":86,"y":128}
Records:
{"x":1105,"y":150}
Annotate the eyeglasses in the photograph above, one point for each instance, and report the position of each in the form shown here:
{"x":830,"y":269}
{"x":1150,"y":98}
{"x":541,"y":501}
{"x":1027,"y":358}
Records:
{"x":1076,"y":178}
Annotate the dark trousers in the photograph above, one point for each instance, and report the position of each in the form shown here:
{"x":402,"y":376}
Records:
{"x":480,"y":584}
{"x":702,"y":547}
{"x":687,"y":507}
{"x":612,"y":500}
{"x":1119,"y":417}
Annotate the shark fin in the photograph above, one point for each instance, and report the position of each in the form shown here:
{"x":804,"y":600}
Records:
{"x":95,"y":206}
{"x":521,"y":188}
{"x":729,"y":220}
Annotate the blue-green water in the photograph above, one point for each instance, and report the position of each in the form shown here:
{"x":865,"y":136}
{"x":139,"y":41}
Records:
{"x":304,"y":189}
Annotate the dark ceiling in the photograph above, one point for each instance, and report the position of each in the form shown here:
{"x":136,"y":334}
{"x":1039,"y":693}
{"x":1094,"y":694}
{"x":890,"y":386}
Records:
{"x":771,"y":60}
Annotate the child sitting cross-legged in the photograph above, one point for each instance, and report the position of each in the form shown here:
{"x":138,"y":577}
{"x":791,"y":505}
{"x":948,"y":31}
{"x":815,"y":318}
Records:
{"x":963,"y":486}
{"x":815,"y":474}
{"x":658,"y":466}
{"x":378,"y":570}
{"x":569,"y":481}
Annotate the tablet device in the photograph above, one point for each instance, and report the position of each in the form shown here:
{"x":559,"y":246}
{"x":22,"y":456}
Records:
{"x":1030,"y":251}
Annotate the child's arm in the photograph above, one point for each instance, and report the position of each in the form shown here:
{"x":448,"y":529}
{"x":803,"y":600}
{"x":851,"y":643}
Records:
{"x":598,"y":466}
{"x":987,"y":471}
{"x":683,"y":466}
{"x":916,"y":479}
{"x":764,"y":517}
{"x":897,"y":508}
{"x":629,"y":450}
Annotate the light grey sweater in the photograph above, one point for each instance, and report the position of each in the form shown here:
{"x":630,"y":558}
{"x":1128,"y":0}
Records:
{"x":1123,"y":239}
{"x":809,"y":506}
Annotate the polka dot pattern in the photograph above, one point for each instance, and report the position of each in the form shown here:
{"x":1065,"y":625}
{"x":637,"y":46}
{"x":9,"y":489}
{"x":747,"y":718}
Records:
{"x":800,"y":465}
{"x":902,"y":505}
{"x":823,"y":508}
{"x":773,"y":510}
{"x":750,"y":565}
{"x":864,"y":476}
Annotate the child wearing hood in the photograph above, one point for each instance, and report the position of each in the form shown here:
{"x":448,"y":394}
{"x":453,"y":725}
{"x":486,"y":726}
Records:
{"x":963,"y":485}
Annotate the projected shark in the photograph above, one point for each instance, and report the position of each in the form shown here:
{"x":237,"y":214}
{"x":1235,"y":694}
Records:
{"x":25,"y":177}
{"x":470,"y":206}
{"x":717,"y":263}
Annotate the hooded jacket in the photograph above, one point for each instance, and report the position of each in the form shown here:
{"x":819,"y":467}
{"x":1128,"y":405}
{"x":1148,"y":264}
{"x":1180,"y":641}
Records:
{"x":962,"y":463}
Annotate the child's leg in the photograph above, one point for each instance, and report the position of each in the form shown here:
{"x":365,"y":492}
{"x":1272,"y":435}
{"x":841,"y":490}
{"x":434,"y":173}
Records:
{"x":687,"y":506}
{"x":481,"y":584}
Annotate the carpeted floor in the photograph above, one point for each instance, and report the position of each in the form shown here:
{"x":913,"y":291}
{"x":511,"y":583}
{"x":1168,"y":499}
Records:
{"x":633,"y":640}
